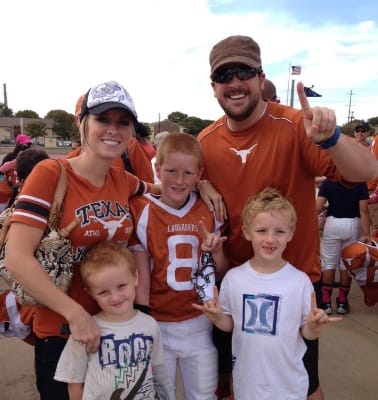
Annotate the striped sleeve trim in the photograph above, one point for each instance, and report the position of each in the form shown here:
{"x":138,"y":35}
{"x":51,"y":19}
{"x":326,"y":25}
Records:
{"x":141,"y":189}
{"x":33,"y":208}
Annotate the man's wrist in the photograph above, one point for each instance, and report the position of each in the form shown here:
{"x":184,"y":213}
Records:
{"x":330,"y":142}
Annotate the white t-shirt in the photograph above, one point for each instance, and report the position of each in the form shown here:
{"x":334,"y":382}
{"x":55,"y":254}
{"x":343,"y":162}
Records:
{"x":267,"y":346}
{"x":128,"y":351}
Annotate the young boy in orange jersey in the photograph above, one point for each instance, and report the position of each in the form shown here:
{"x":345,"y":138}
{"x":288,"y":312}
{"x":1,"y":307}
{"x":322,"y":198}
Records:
{"x":173,"y":229}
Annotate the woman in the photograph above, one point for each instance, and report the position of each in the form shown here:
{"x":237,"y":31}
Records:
{"x":98,"y":195}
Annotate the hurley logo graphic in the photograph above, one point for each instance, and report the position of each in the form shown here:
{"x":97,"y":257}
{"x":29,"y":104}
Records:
{"x":260,"y":314}
{"x":243,"y":153}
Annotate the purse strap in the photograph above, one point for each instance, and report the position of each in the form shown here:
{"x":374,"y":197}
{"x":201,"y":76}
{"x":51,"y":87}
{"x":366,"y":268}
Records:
{"x":60,"y":192}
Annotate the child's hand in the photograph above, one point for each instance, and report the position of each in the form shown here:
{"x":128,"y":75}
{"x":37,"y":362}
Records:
{"x":211,"y":241}
{"x":211,"y":307}
{"x":318,"y":319}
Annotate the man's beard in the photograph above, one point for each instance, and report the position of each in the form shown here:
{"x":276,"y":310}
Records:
{"x":242,"y":114}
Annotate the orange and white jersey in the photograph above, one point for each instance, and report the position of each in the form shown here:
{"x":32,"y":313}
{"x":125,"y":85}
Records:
{"x":173,"y":240}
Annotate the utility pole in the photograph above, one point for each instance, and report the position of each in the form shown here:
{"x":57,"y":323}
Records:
{"x":5,"y":95}
{"x":350,"y":113}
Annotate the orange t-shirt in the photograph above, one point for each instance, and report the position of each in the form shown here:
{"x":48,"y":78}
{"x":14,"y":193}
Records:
{"x":104,"y":214}
{"x":274,"y":152}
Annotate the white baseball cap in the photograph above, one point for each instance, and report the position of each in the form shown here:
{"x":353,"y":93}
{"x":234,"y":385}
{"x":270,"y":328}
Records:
{"x":107,"y":96}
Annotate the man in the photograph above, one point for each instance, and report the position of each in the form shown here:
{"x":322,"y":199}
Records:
{"x":361,"y":133}
{"x":259,"y":144}
{"x":269,"y":92}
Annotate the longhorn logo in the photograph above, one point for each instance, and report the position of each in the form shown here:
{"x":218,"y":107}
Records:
{"x":111,"y":226}
{"x":243,"y":153}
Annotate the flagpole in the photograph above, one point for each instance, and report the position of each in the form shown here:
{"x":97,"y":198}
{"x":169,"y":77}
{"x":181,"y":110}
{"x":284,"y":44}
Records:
{"x":288,"y":85}
{"x":292,"y":93}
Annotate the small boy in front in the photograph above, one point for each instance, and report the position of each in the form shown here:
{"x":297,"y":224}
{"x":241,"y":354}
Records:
{"x":269,"y":305}
{"x":130,"y":351}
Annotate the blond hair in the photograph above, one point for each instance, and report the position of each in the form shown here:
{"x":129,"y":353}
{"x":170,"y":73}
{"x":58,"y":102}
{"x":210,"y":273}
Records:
{"x":179,"y":143}
{"x":104,"y":254}
{"x":268,"y":200}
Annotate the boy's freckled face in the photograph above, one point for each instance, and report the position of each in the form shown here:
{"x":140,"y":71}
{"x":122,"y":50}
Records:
{"x":179,"y":174}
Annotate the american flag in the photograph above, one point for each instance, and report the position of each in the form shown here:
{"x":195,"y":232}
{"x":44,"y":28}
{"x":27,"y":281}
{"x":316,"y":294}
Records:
{"x":295,"y":70}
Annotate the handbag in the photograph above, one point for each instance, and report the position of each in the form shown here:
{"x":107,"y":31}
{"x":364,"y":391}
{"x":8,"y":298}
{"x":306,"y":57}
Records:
{"x":54,"y":251}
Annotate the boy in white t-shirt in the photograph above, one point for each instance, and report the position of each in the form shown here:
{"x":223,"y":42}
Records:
{"x":269,"y":305}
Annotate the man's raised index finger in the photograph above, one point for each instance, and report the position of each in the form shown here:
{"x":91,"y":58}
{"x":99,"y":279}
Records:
{"x":305,"y":105}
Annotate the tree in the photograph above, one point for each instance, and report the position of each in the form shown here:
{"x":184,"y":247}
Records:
{"x":177,"y":117}
{"x":64,"y":123}
{"x":5,"y":111}
{"x":142,"y":130}
{"x":195,"y":125}
{"x":36,"y":129}
{"x":373,"y":121}
{"x":26,"y":114}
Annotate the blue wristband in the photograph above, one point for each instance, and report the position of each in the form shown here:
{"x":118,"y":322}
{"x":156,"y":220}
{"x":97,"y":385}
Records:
{"x":330,"y":142}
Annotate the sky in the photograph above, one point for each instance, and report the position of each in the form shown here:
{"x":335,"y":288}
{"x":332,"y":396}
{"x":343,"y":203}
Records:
{"x":54,"y":51}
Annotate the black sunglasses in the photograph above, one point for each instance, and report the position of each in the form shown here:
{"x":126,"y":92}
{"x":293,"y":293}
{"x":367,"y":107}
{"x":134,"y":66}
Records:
{"x":242,"y":72}
{"x":360,"y":131}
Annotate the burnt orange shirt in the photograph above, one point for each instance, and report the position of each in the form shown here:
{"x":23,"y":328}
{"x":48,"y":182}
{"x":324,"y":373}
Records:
{"x":274,"y":152}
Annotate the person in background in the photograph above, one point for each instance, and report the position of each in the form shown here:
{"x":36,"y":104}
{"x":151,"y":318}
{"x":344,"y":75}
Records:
{"x":373,"y":183}
{"x":8,"y":164}
{"x":133,"y":160}
{"x":269,"y":91}
{"x":23,"y":142}
{"x":267,"y":144}
{"x":16,"y":320}
{"x":158,"y":138}
{"x":110,"y":276}
{"x":142,"y":135}
{"x":25,"y":162}
{"x":269,"y":305}
{"x":170,"y":229}
{"x":97,"y":196}
{"x":361,"y":133}
{"x":347,"y":221}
